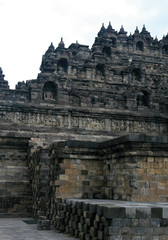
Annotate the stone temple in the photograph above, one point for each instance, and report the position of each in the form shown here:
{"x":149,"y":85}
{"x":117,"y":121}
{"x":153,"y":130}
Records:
{"x":84,"y":147}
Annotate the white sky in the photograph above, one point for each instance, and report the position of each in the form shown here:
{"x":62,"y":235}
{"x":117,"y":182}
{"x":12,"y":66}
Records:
{"x":28,"y":27}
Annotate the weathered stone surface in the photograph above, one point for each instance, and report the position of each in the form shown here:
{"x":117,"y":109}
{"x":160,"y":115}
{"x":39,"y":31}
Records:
{"x":106,"y":91}
{"x":15,"y":197}
{"x":43,"y":224}
{"x":116,"y":228}
{"x":93,"y":125}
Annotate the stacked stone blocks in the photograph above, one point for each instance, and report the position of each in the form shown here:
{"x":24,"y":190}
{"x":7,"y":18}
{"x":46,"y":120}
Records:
{"x":112,"y":220}
{"x":132,"y":168}
{"x":128,"y":168}
{"x":75,"y":171}
{"x":15,"y":199}
{"x":136,"y":169}
{"x":39,"y":182}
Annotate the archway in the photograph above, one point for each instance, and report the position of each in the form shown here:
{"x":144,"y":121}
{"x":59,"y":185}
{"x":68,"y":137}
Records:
{"x":136,"y":74}
{"x":113,"y":40}
{"x":107,"y":51}
{"x":49,"y":91}
{"x":143,"y":99}
{"x":62,"y":65}
{"x":100,"y":70}
{"x":165,"y":49}
{"x":140,"y":46}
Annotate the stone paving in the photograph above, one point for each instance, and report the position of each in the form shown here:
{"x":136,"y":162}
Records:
{"x":17,"y":229}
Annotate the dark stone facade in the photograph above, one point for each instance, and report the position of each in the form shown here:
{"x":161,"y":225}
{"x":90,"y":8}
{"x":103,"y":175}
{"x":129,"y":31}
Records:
{"x":119,"y":86}
{"x":64,"y":129}
{"x":15,"y":192}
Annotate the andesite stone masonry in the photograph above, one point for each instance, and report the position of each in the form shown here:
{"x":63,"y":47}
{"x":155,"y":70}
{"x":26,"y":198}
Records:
{"x":84,"y":146}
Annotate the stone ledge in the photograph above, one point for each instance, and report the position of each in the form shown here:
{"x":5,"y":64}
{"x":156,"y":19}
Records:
{"x":134,"y":138}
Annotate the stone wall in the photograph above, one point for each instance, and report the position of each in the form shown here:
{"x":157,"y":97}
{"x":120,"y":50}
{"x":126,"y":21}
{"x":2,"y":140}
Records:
{"x":117,"y":87}
{"x":132,"y":168}
{"x":63,"y":123}
{"x":136,"y":168}
{"x":81,"y":98}
{"x":127,"y":168}
{"x":15,"y":196}
{"x":75,"y":171}
{"x":38,"y":163}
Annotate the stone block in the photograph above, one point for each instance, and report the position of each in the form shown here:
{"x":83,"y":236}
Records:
{"x":117,"y":222}
{"x":110,"y":230}
{"x":131,"y":212}
{"x":163,"y":223}
{"x":155,"y":222}
{"x":140,"y":231}
{"x":144,"y":222}
{"x":87,"y":237}
{"x":126,"y":237}
{"x":100,"y":235}
{"x":110,"y":213}
{"x":147,"y":237}
{"x":92,"y":232}
{"x":88,"y":221}
{"x":127,"y":231}
{"x":165,"y":213}
{"x":43,"y":224}
{"x":143,"y":212}
{"x":136,"y":238}
{"x":81,"y":236}
{"x":150,"y":159}
{"x":126,"y":222}
{"x":113,"y":237}
{"x":93,"y":208}
{"x":156,"y":212}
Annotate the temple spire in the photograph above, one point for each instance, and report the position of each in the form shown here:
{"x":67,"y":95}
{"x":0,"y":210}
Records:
{"x":136,"y":30}
{"x":109,"y":26}
{"x":144,"y":28}
{"x":51,"y":47}
{"x":144,"y":31}
{"x":101,"y":30}
{"x":3,"y":83}
{"x":61,"y":44}
{"x":122,"y":31}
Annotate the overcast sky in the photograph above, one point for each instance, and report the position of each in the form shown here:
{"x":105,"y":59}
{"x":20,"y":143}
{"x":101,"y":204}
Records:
{"x":27,"y":27}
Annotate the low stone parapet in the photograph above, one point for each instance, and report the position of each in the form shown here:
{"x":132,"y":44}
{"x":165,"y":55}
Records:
{"x":112,"y":220}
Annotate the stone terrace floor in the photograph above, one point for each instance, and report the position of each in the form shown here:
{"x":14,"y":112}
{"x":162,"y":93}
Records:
{"x":17,"y":229}
{"x":123,"y":204}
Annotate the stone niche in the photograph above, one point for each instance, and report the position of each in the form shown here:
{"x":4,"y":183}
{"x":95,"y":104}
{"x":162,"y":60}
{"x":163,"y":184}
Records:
{"x":14,"y":181}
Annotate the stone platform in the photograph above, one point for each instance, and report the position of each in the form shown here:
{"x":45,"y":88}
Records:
{"x":114,"y":220}
{"x":117,"y":203}
{"x":18,"y":229}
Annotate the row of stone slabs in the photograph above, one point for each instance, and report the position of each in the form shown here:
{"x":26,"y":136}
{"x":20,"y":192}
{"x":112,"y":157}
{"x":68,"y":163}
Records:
{"x":117,"y":203}
{"x":121,"y":219}
{"x":109,"y":207}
